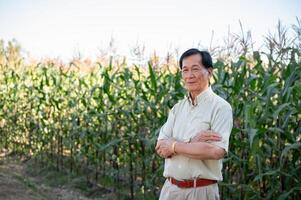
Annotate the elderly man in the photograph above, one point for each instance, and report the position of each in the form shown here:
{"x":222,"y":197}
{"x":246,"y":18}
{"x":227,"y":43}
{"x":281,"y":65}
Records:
{"x":195,"y":137}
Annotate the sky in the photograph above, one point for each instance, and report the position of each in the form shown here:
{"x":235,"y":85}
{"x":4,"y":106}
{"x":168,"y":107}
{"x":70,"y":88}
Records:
{"x":62,"y":29}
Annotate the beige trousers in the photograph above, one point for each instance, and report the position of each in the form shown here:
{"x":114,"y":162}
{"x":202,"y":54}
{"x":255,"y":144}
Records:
{"x":172,"y":192}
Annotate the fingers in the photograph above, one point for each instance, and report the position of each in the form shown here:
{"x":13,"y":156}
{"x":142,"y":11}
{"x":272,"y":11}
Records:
{"x":207,"y":136}
{"x":160,"y":148}
{"x":208,"y":132}
{"x":211,"y":137}
{"x":159,"y":152}
{"x":163,"y":154}
{"x":166,"y":155}
{"x":164,"y":149}
{"x":215,"y":139}
{"x":158,"y":144}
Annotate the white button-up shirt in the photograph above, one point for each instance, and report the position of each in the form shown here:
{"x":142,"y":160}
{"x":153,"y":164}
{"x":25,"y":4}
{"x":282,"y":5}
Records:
{"x":185,"y":120}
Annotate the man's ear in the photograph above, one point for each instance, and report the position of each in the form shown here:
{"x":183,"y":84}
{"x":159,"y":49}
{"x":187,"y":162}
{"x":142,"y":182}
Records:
{"x":210,"y":71}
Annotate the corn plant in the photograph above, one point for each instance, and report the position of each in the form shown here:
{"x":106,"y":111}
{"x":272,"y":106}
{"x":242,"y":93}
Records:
{"x":104,"y":123}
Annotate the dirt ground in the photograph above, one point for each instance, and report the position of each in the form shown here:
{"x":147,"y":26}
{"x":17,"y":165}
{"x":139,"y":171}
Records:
{"x":16,"y":184}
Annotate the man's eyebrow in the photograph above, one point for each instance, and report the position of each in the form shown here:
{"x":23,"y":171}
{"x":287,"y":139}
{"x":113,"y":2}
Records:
{"x":195,"y":65}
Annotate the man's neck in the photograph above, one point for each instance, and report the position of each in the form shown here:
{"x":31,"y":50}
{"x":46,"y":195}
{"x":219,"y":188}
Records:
{"x":194,"y":94}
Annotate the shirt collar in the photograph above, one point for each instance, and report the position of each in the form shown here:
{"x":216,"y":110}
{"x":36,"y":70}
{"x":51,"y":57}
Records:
{"x":200,"y":96}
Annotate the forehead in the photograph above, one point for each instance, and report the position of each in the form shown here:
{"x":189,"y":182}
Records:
{"x":192,"y":60}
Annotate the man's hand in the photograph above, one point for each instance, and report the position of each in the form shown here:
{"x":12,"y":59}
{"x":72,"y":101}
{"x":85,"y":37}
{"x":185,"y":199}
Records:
{"x":164,"y":148}
{"x":206,"y":136}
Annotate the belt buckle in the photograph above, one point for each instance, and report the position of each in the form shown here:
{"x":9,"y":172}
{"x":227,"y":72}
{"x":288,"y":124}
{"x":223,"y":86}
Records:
{"x":194,"y":183}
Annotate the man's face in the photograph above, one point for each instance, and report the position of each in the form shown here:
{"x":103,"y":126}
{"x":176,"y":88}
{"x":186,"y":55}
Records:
{"x":194,"y":74}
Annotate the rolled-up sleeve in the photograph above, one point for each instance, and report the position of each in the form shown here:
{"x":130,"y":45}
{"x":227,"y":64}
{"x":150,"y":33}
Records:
{"x":167,"y":128}
{"x":222,"y":124}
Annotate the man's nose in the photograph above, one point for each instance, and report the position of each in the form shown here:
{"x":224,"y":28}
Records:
{"x":190,"y":74}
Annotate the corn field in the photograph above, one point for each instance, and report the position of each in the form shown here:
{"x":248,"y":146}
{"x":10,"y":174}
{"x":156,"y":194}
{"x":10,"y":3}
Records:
{"x":104,"y":123}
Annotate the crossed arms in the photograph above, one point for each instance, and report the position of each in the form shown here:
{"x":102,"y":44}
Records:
{"x":199,"y":147}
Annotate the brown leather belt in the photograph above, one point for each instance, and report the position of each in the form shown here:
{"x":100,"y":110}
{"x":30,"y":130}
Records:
{"x":200,"y":182}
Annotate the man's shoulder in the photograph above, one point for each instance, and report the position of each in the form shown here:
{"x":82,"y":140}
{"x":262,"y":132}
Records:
{"x":180,"y":103}
{"x":221,"y":102}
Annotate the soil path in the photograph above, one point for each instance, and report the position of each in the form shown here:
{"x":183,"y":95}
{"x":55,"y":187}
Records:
{"x":15,"y":184}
